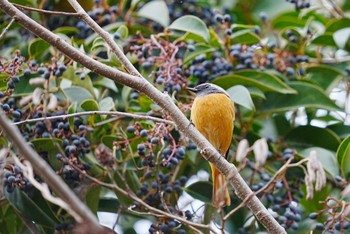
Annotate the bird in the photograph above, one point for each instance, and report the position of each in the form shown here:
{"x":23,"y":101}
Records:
{"x":213,"y":114}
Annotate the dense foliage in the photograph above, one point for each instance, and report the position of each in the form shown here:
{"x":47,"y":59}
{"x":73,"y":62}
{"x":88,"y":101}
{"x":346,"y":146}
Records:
{"x":284,"y":63}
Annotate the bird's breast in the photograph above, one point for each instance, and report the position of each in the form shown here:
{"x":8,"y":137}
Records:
{"x":213,"y":116}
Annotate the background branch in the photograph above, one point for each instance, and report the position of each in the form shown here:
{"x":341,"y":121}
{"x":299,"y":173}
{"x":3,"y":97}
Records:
{"x":241,"y":189}
{"x":46,"y":173}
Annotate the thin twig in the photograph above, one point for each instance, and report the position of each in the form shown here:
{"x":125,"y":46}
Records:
{"x":74,"y":14}
{"x":7,"y":28}
{"x":131,"y":195}
{"x":107,"y":37}
{"x":114,"y":113}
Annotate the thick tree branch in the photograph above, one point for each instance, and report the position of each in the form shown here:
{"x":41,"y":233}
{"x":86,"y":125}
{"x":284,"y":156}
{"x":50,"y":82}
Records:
{"x":46,"y":173}
{"x":164,"y":101}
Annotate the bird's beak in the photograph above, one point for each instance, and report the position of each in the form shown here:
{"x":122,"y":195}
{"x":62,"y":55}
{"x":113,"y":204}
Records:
{"x":194,"y":90}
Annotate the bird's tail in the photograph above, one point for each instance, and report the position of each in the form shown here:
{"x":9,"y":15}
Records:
{"x":221,"y":195}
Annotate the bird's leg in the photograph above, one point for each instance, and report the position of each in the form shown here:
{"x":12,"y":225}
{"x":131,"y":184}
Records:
{"x":191,"y":123}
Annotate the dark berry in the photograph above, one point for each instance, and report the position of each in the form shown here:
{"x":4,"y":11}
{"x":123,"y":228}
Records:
{"x":144,"y":133}
{"x":141,"y":147}
{"x":154,"y":140}
{"x":6,"y":107}
{"x":130,"y":129}
{"x":11,"y":84}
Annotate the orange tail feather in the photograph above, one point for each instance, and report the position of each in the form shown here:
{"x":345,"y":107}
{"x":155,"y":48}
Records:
{"x":221,"y":195}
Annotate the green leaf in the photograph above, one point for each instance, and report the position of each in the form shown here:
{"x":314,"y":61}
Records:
{"x":337,"y":24}
{"x":37,"y":48}
{"x":106,"y":104}
{"x":77,"y":94}
{"x":92,"y":198}
{"x":289,"y":19}
{"x":257,"y":93}
{"x":49,"y":145}
{"x":262,"y":80}
{"x":343,"y":131}
{"x":71,"y":75}
{"x":201,"y":190}
{"x":343,"y":157}
{"x":123,"y":31}
{"x":157,"y":11}
{"x":244,"y":36}
{"x":90,"y":105}
{"x":309,"y":136}
{"x":109,"y":204}
{"x":326,"y":76}
{"x":29,"y":208}
{"x":240,"y":95}
{"x":66,"y":30}
{"x":326,"y":157}
{"x":324,"y":40}
{"x":108,"y":140}
{"x":22,"y":87}
{"x":192,"y":24}
{"x":107,"y":83}
{"x":200,"y":49}
{"x":309,"y":95}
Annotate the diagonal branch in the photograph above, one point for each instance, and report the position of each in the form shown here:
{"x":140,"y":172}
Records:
{"x":46,"y":173}
{"x":241,"y":189}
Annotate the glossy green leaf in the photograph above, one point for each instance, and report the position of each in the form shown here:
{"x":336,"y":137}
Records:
{"x":107,"y":83}
{"x":123,"y":31}
{"x":108,"y":140}
{"x":326,"y":157}
{"x":49,"y":145}
{"x":98,"y":43}
{"x":244,"y":36}
{"x":106,"y":104}
{"x":200,"y":49}
{"x":29,"y":208}
{"x":289,"y":19}
{"x":324,"y":40}
{"x":201,"y":190}
{"x":37,"y":48}
{"x":241,"y":96}
{"x":309,"y":95}
{"x":92,"y":198}
{"x":71,"y":75}
{"x":309,"y":136}
{"x":77,"y":94}
{"x":90,"y":105}
{"x":256,"y":93}
{"x":192,"y":24}
{"x":22,"y":87}
{"x":66,"y":30}
{"x":109,"y":204}
{"x":260,"y":80}
{"x":337,"y":24}
{"x":343,"y":157}
{"x":326,"y":76}
{"x":343,"y":131}
{"x":157,"y":11}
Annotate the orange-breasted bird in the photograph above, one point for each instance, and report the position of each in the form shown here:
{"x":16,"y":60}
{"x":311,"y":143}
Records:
{"x":213,"y":113}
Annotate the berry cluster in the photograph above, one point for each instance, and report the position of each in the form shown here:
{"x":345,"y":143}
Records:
{"x":166,"y":57}
{"x":11,"y":109}
{"x":300,"y":4}
{"x":55,"y":69}
{"x":178,"y":8}
{"x":14,"y":178}
{"x":12,"y":68}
